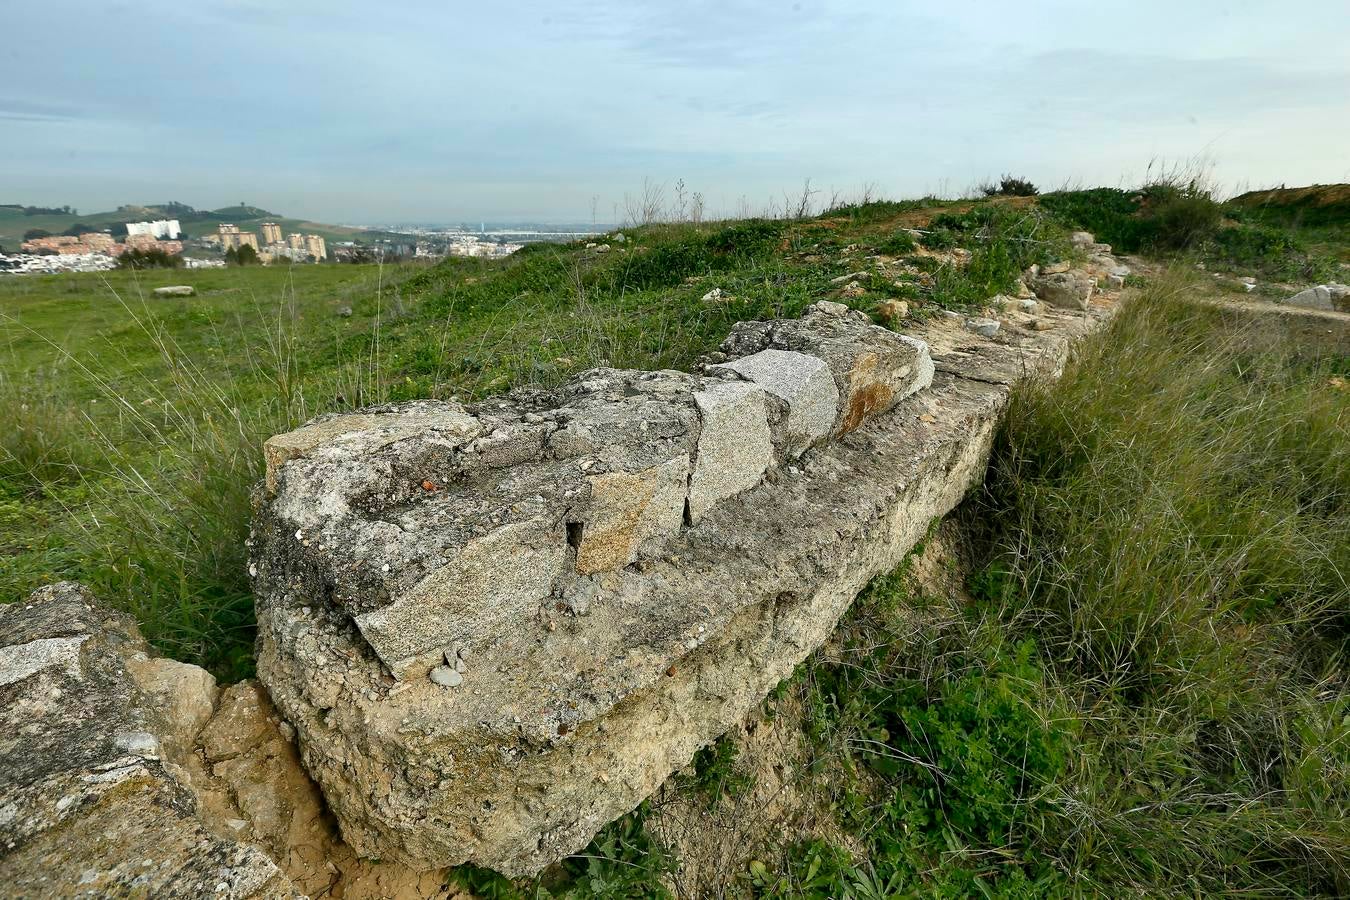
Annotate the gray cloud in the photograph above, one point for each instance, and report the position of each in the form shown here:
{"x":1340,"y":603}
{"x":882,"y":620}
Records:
{"x":428,"y":111}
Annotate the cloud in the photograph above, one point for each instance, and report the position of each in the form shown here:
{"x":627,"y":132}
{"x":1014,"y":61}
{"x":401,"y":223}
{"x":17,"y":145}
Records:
{"x":439,"y":112}
{"x":20,"y":110}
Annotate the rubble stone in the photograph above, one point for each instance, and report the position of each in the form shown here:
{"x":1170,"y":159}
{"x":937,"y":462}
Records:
{"x":1323,"y":296}
{"x":92,"y":802}
{"x":1066,"y":290}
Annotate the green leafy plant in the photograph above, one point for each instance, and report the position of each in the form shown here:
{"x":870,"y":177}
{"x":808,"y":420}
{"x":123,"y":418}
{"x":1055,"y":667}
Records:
{"x":1009,"y":186}
{"x":716,"y":774}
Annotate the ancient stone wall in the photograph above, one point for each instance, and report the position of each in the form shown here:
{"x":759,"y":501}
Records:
{"x":487,"y":631}
{"x":496,"y":628}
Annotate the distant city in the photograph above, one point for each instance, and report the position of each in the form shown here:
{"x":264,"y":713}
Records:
{"x":86,"y":249}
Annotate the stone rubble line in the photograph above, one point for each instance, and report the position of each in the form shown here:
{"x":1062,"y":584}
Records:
{"x":123,"y":774}
{"x":94,"y":734}
{"x":497,"y":628}
{"x":1331,"y":297}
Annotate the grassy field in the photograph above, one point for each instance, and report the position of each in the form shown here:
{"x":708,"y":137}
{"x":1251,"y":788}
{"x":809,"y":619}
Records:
{"x":134,"y":423}
{"x":1141,"y":692}
{"x":1144,"y":693}
{"x":139,"y":420}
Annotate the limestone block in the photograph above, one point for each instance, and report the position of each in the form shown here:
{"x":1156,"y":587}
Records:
{"x":734,"y":445}
{"x":90,"y":803}
{"x":627,"y":509}
{"x":983,"y":327}
{"x":1066,"y":290}
{"x":1323,"y":296}
{"x":489,"y":583}
{"x":804,"y":383}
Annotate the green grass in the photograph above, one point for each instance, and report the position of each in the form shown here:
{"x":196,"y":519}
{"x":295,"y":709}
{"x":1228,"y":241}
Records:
{"x":136,"y":430}
{"x":1146,"y":694}
{"x":139,"y":419}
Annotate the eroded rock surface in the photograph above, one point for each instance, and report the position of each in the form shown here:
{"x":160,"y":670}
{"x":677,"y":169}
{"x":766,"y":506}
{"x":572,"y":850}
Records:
{"x":125,"y":774}
{"x":1066,"y":290}
{"x":91,"y":802}
{"x":492,"y":639}
{"x":1323,"y":296}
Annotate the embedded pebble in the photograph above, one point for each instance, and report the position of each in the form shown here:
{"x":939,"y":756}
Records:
{"x":445,"y":676}
{"x":983,"y":327}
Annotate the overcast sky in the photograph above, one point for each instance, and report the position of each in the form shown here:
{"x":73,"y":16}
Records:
{"x":441,"y":111}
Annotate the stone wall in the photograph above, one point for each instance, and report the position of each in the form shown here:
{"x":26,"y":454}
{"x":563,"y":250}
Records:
{"x":93,"y":802}
{"x":496,"y":628}
{"x":123,"y":774}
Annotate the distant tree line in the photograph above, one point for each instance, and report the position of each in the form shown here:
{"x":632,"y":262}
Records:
{"x":243,"y":255}
{"x":149,"y":259}
{"x":46,"y":210}
{"x":75,"y":230}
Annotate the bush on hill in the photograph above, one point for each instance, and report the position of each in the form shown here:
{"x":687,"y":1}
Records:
{"x":1009,"y":186}
{"x":153,"y":258}
{"x":1158,"y":217}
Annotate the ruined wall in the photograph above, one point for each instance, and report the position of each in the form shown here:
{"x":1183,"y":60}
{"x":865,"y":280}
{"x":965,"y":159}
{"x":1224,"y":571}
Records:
{"x":123,"y":774}
{"x":496,"y":628}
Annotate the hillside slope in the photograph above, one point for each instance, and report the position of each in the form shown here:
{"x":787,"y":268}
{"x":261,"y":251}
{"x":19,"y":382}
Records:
{"x":14,"y":222}
{"x":1318,"y":204}
{"x":1136,"y":685}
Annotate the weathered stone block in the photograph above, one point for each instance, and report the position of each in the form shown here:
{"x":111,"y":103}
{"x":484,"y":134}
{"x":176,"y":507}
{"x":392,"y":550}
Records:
{"x":804,"y":383}
{"x":369,"y":432}
{"x":90,"y":803}
{"x":1066,"y":290}
{"x":734,"y":446}
{"x":1323,"y":296}
{"x":490,"y":582}
{"x":627,"y":509}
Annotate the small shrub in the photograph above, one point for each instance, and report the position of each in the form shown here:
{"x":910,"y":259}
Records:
{"x":1181,"y":218}
{"x":1159,"y":216}
{"x":898,"y":244}
{"x":153,"y":258}
{"x":1109,"y":213}
{"x":1010,"y":186}
{"x":1276,"y":252}
{"x":716,"y":774}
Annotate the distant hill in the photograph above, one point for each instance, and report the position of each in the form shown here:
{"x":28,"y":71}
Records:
{"x":1313,"y":206}
{"x":14,"y":221}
